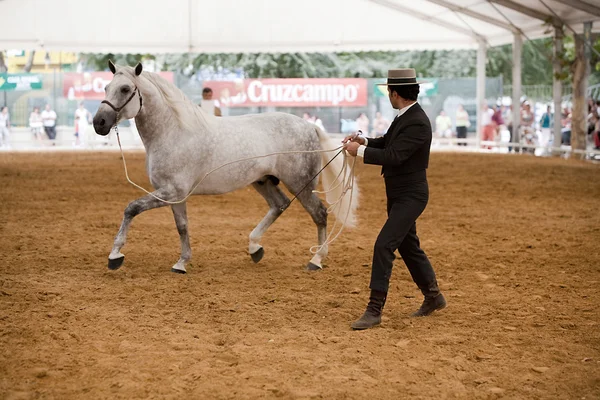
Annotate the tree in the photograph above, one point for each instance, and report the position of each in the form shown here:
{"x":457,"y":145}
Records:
{"x":3,"y":67}
{"x":29,"y":63}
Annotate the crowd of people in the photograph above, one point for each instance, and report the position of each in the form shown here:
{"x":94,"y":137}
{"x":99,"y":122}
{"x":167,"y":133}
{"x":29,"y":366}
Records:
{"x":497,"y":124}
{"x":535,"y":129}
{"x":42,"y":125}
{"x":377,"y":128}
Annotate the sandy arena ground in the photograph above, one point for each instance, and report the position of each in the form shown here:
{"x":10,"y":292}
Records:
{"x":514,"y":240}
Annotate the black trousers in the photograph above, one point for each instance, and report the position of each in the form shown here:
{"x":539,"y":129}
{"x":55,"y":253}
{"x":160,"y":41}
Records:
{"x":461,"y":133}
{"x":50,"y":132}
{"x":406,"y":202}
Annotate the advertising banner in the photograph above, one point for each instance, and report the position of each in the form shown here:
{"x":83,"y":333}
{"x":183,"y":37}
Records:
{"x":20,"y":82}
{"x":90,"y":85}
{"x":349,"y":92}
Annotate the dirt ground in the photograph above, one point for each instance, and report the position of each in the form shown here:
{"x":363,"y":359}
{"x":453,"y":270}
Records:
{"x":514,"y":241}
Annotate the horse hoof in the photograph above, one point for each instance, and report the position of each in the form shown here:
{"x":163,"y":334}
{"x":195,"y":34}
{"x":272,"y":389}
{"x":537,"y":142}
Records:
{"x":313,"y":267}
{"x":178,"y":271}
{"x":115,"y":263}
{"x":258,"y":255}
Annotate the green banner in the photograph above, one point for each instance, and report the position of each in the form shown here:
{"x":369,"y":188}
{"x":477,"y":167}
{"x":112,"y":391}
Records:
{"x":428,"y":88}
{"x":20,"y":82}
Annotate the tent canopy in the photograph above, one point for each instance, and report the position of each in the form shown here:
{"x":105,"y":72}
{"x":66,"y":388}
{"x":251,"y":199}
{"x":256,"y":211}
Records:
{"x":231,"y":26}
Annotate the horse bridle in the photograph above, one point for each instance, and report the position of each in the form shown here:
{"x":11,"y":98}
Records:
{"x":118,"y":110}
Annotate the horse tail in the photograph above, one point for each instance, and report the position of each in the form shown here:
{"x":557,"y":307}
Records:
{"x":345,"y":208}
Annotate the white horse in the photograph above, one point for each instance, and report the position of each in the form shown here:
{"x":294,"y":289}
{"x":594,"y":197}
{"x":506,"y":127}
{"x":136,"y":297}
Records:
{"x":183,"y":144}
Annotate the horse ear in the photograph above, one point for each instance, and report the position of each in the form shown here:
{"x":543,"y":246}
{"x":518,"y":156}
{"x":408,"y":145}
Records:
{"x":138,"y":69}
{"x":112,"y":67}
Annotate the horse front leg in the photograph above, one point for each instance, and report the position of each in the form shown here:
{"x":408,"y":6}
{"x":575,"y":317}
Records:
{"x":148,"y":202}
{"x":180,"y":214}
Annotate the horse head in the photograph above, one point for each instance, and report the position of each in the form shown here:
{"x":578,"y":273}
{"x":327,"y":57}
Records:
{"x":120,"y":100}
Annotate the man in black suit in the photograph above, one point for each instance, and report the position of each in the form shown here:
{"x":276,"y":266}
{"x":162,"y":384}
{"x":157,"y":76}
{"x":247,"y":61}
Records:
{"x":403,"y":153}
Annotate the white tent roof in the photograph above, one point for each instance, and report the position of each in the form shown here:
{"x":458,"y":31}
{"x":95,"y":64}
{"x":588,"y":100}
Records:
{"x":231,"y":26}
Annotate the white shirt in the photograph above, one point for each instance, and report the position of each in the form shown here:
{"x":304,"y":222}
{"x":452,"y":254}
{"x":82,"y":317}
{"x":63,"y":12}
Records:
{"x":209,"y":105}
{"x":49,"y":117}
{"x":486,"y":117}
{"x":82,"y":113}
{"x":4,"y":118}
{"x":361,"y":149}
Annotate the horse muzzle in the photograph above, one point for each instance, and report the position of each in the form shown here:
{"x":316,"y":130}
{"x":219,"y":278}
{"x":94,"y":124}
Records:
{"x":104,"y":120}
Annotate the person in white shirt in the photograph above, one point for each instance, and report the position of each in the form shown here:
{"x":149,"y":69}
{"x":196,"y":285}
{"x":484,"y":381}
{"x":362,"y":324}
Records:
{"x":488,"y":124}
{"x":443,"y":125}
{"x":319,"y":123}
{"x":462,"y":123}
{"x":82,"y":120}
{"x":49,"y":120}
{"x":4,"y":127}
{"x":208,"y":104}
{"x":35,"y":123}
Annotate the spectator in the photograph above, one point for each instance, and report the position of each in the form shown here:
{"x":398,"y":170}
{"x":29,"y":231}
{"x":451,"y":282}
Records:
{"x":546,"y":123}
{"x":462,"y":123}
{"x":35,"y":123}
{"x":380,"y":125}
{"x":596,"y":134}
{"x":319,"y":123}
{"x":83,"y":118}
{"x":488,"y":124}
{"x":443,"y":125}
{"x":497,"y":117}
{"x":49,"y":120}
{"x":208,"y":104}
{"x":363,"y":123}
{"x":566,"y":127}
{"x":4,"y":127}
{"x":508,"y":120}
{"x":526,"y":127}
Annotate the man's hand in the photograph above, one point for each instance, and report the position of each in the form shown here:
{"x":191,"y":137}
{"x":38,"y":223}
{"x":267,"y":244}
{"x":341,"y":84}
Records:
{"x":352,"y":147}
{"x":354,"y":138}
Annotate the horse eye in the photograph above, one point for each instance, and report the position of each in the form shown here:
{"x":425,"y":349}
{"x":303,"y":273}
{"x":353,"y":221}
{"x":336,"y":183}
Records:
{"x":125,"y":90}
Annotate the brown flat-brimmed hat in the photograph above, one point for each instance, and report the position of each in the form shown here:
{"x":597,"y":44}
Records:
{"x":401,"y":76}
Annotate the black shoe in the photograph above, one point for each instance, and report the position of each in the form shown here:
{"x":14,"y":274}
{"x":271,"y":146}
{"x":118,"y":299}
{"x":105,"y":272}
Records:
{"x":372,"y":316}
{"x":430,"y":304}
{"x":368,"y":320}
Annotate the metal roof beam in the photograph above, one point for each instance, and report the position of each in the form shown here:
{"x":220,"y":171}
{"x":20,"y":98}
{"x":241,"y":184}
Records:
{"x":425,"y":17}
{"x":586,"y":7}
{"x":474,"y":14}
{"x":530,"y":12}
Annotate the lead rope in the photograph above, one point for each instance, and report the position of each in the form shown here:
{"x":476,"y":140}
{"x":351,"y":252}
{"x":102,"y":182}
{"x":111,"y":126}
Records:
{"x":346,"y":180}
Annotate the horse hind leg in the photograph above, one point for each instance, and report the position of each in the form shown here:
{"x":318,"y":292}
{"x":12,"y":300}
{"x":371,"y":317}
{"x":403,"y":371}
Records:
{"x":317,"y":210}
{"x":181,"y":221}
{"x":277,"y":201}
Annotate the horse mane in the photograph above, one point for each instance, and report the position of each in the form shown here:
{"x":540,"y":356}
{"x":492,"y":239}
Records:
{"x":187,"y":114}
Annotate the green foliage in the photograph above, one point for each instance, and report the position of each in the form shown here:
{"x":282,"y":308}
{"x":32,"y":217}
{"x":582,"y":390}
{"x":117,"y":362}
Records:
{"x":536,"y":63}
{"x":99,"y":62}
{"x":568,"y":56}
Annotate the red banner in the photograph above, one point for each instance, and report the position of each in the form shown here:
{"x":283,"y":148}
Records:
{"x":290,"y":92}
{"x":90,"y":85}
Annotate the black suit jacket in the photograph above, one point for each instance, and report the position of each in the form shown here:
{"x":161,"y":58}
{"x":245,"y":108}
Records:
{"x":404,"y":149}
